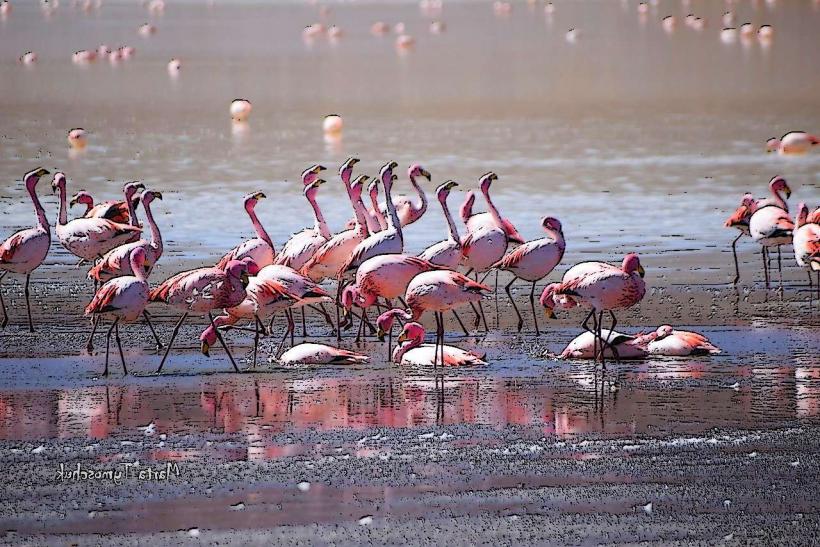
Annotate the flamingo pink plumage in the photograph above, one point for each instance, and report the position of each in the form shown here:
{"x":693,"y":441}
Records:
{"x":770,"y":224}
{"x":259,"y":248}
{"x":320,"y":354}
{"x":371,"y":215}
{"x":676,"y":343}
{"x":409,"y":211}
{"x":584,"y":346}
{"x":116,"y":211}
{"x":24,"y":251}
{"x":411,"y":351}
{"x":474,"y":221}
{"x":303,"y":245}
{"x":445,"y":253}
{"x":806,"y":241}
{"x":740,"y":221}
{"x":793,"y":142}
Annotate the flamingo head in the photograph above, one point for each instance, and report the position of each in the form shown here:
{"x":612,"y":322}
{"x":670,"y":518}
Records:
{"x":552,"y":224}
{"x":486,"y":181}
{"x":412,"y":332}
{"x":349,"y":295}
{"x":444,"y":190}
{"x":772,"y":145}
{"x":82,"y":197}
{"x":58,"y":182}
{"x":417,"y":170}
{"x":547,"y":299}
{"x":238,"y":269}
{"x":137,"y":259}
{"x":311,"y":173}
{"x":206,"y":340}
{"x":33,"y":177}
{"x":346,"y":170}
{"x":632,"y":264}
{"x":252,"y":199}
{"x":779,"y":184}
{"x":802,"y":214}
{"x":313,"y":188}
{"x":130,"y":189}
{"x":251,"y":265}
{"x":386,"y":172}
{"x":663,"y":331}
{"x":357,"y":186}
{"x":385,"y":321}
{"x":148,"y":196}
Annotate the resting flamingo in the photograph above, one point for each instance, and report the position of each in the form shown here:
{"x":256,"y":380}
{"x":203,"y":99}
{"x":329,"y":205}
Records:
{"x":116,"y":211}
{"x":534,"y":261}
{"x":671,"y":342}
{"x":90,"y":238}
{"x":770,"y":224}
{"x":24,"y":251}
{"x":201,"y":291}
{"x":408,"y":210}
{"x":585,"y":346}
{"x":384,"y":324}
{"x":411,"y":351}
{"x":793,"y":142}
{"x":303,"y":245}
{"x":121,"y":299}
{"x":806,"y":242}
{"x":260,"y":248}
{"x":446,"y":253}
{"x":601,"y":287}
{"x":387,"y":241}
{"x":440,"y":291}
{"x":320,"y":354}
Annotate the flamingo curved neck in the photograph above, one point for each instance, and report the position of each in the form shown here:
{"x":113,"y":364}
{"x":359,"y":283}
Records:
{"x":377,"y":213}
{"x":63,"y":219}
{"x":38,"y":208}
{"x":779,"y":199}
{"x":132,"y":211}
{"x":393,"y":222}
{"x":360,"y":212}
{"x":451,"y":224}
{"x":138,"y":267}
{"x":422,"y":204}
{"x":492,"y":209}
{"x":156,"y":237}
{"x":319,"y":226}
{"x":260,"y":230}
{"x":400,"y":350}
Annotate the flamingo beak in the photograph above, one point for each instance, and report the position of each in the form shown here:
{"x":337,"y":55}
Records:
{"x":40,"y":172}
{"x":73,"y":202}
{"x":318,"y":169}
{"x":205,"y":348}
{"x":426,"y":174}
{"x":157,"y":195}
{"x":259,"y":195}
{"x":402,"y":338}
{"x":245,"y":280}
{"x":380,"y":334}
{"x":787,"y":191}
{"x":640,"y":270}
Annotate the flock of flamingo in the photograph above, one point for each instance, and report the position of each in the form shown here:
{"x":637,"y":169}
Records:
{"x":252,"y":283}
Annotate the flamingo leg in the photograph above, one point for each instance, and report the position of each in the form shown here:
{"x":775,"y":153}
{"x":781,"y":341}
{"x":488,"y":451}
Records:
{"x":222,"y":342}
{"x":171,"y":341}
{"x":460,"y":323}
{"x":288,"y":330}
{"x":779,"y":266}
{"x":439,"y":335}
{"x":257,"y":324}
{"x":481,"y":309}
{"x":602,"y":342}
{"x":765,"y":268}
{"x":361,"y":326}
{"x":28,"y":303}
{"x":304,"y":325}
{"x":270,"y":323}
{"x":612,"y":348}
{"x":338,"y":305}
{"x":532,"y":305}
{"x":403,"y":303}
{"x":734,"y":254}
{"x":477,"y":320}
{"x":291,"y":327}
{"x":119,"y":345}
{"x":150,"y":326}
{"x":495,"y":292}
{"x":108,"y":348}
{"x":509,"y":295}
{"x":89,"y":345}
{"x":3,"y":305}
{"x":321,"y":310}
{"x":390,"y":344}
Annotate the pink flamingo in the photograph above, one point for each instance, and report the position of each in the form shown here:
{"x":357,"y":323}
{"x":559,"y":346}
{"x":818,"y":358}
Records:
{"x":534,"y":261}
{"x":600,"y":287}
{"x":446,"y":253}
{"x":411,"y":351}
{"x":474,"y":221}
{"x":203,"y":290}
{"x":121,"y":299}
{"x":385,"y":276}
{"x":584,"y":346}
{"x":320,"y":354}
{"x":24,"y":251}
{"x":770,"y":224}
{"x":387,"y":241}
{"x":303,"y":245}
{"x":806,"y":242}
{"x":793,"y":142}
{"x":440,"y":291}
{"x":408,"y":210}
{"x":90,"y":238}
{"x":676,"y":343}
{"x":740,"y":221}
{"x":375,"y":219}
{"x":260,"y":248}
{"x":116,"y":211}
{"x":384,"y":324}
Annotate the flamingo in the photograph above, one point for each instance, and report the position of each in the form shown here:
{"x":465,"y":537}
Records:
{"x":320,"y":354}
{"x":24,"y":251}
{"x":793,"y":142}
{"x":533,"y":261}
{"x":806,"y":241}
{"x":385,"y":276}
{"x":384,"y":323}
{"x":91,"y":238}
{"x":374,"y":214}
{"x":121,"y":299}
{"x":387,"y":241}
{"x":740,"y":220}
{"x":770,"y":224}
{"x":600,"y":287}
{"x":676,"y":343}
{"x":446,"y":253}
{"x":303,"y":245}
{"x":408,"y":210}
{"x":474,"y":221}
{"x":584,"y":346}
{"x":259,"y":248}
{"x":411,"y":351}
{"x":202,"y":290}
{"x":240,"y":110}
{"x":116,"y":211}
{"x":439,"y":291}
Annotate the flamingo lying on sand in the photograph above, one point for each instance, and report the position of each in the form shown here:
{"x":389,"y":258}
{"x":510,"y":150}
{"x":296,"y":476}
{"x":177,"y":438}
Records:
{"x":793,"y":142}
{"x":600,"y":287}
{"x":91,"y":238}
{"x":320,"y":354}
{"x":408,"y":210}
{"x":411,"y":351}
{"x":440,"y":291}
{"x":806,"y":242}
{"x":203,"y":290}
{"x":260,"y":248}
{"x":676,"y":343}
{"x":121,"y":299}
{"x":584,"y":346}
{"x":25,"y":250}
{"x":534,"y":261}
{"x":116,"y":211}
{"x":770,"y":224}
{"x":446,"y":253}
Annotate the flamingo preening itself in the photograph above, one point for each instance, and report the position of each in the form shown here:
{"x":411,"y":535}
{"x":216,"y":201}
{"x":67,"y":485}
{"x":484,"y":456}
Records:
{"x":25,"y":250}
{"x":533,"y":261}
{"x":260,"y":248}
{"x":445,"y":253}
{"x":601,"y":287}
{"x":121,"y":299}
{"x":384,"y":324}
{"x":806,"y":242}
{"x":116,"y":211}
{"x":411,"y":351}
{"x":770,"y":224}
{"x":410,"y":211}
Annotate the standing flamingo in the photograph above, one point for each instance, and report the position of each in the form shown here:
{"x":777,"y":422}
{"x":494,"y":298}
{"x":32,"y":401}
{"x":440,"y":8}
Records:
{"x":411,"y":351}
{"x":474,"y":221}
{"x":440,"y":291}
{"x":374,"y":213}
{"x":260,"y":248}
{"x":201,"y":291}
{"x":600,"y":287}
{"x":446,"y":253}
{"x":533,"y":261}
{"x":372,"y":220}
{"x":121,"y":299}
{"x":91,"y":238}
{"x":25,"y":250}
{"x":387,"y":241}
{"x":770,"y":224}
{"x":806,"y":242}
{"x":303,"y":245}
{"x":740,"y":220}
{"x":408,"y":210}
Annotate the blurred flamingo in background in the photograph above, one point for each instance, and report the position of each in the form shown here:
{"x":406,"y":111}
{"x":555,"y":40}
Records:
{"x":793,"y":142}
